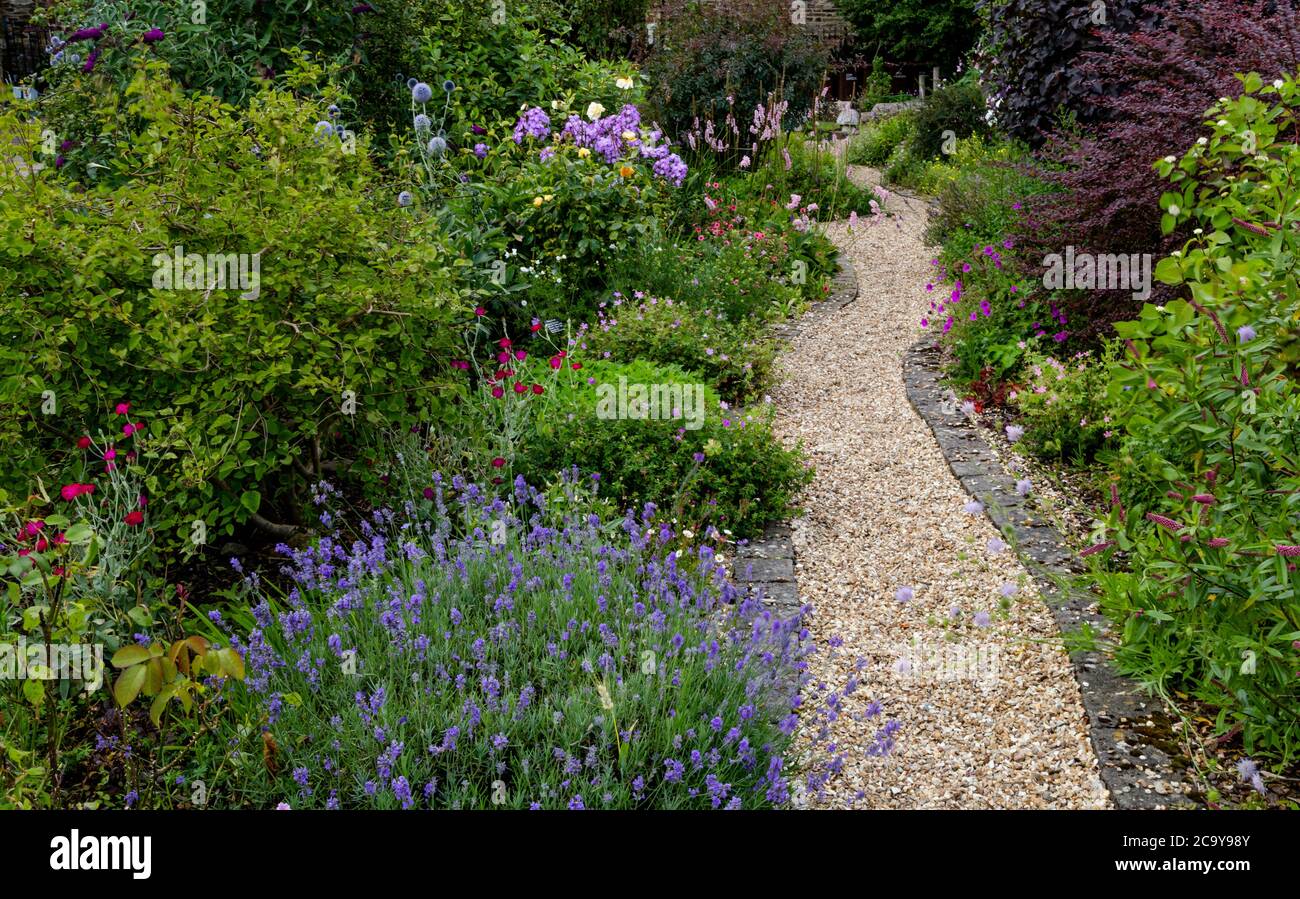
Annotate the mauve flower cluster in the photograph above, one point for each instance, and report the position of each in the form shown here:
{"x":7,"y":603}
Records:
{"x":474,"y":650}
{"x":611,"y":137}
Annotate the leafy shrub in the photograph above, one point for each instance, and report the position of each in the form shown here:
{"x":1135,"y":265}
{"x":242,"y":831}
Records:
{"x":1067,"y":413}
{"x":982,"y":199}
{"x":953,"y":111}
{"x":610,"y":667}
{"x":988,"y":315}
{"x":735,"y":356}
{"x":745,"y":49}
{"x":1207,"y":601}
{"x":880,"y":138}
{"x":916,"y":32}
{"x":1029,"y":59}
{"x":241,"y":389}
{"x":604,"y":29}
{"x":1165,"y":76}
{"x":727,"y":469}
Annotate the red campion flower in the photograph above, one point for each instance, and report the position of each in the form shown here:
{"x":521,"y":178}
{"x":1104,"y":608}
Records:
{"x":520,"y":387}
{"x":122,"y":408}
{"x":83,"y":443}
{"x":498,"y":462}
{"x":134,"y":517}
{"x":537,"y":389}
{"x":498,"y":392}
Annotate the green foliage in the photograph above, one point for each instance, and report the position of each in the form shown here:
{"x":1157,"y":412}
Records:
{"x":238,"y":389}
{"x":880,"y":138}
{"x":924,"y":32}
{"x":733,"y":355}
{"x":1068,"y":415}
{"x":954,"y":111}
{"x":745,"y":480}
{"x":1207,"y":392}
{"x":743,"y":49}
{"x":983,"y":192}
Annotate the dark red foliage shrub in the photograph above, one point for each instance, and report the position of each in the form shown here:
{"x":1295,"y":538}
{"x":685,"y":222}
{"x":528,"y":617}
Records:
{"x":1159,"y":80}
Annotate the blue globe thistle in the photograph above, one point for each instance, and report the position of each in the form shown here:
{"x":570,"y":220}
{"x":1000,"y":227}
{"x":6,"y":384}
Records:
{"x":421,"y":92}
{"x":405,"y":198}
{"x":449,"y":85}
{"x":437,"y":145}
{"x":324,"y":128}
{"x":333,"y":111}
{"x":423,"y":123}
{"x":410,"y":82}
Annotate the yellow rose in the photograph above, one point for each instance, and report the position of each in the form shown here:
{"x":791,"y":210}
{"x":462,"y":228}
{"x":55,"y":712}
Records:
{"x":537,"y":201}
{"x":583,"y":152}
{"x":624,"y":83}
{"x":627,"y":171}
{"x":548,"y":197}
{"x":629,"y":135}
{"x":595,"y":110}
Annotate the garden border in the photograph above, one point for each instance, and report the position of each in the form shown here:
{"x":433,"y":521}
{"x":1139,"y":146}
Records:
{"x":1137,"y":774}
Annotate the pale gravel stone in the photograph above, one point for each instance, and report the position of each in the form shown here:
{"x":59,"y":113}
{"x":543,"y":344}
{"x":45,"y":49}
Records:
{"x":885,"y":511}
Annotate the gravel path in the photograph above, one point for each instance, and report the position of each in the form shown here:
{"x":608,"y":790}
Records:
{"x":989,"y":710}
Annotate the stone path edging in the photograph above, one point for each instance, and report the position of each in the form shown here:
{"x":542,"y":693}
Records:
{"x":1138,"y":775}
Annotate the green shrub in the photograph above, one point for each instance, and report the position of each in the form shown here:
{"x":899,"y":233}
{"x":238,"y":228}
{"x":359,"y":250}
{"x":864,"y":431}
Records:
{"x":734,"y":356}
{"x":727,"y":469}
{"x":744,"y":49}
{"x":915,"y":32}
{"x":242,"y":391}
{"x":1207,"y":601}
{"x":952,"y":112}
{"x":879,"y":139}
{"x":1068,"y":415}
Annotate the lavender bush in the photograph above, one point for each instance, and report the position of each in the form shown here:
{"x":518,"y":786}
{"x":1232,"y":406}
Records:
{"x":472,"y":651}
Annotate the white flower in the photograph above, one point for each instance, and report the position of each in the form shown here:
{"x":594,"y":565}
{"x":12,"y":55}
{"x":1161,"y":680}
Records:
{"x":624,"y":83}
{"x":595,"y":110}
{"x":1173,"y":209}
{"x":688,"y":533}
{"x":1202,"y":141}
{"x":1277,"y":83}
{"x":1171,"y":159}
